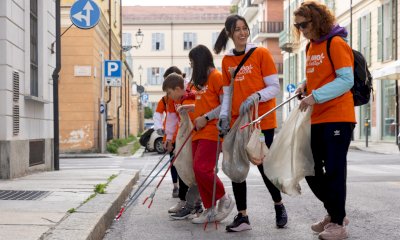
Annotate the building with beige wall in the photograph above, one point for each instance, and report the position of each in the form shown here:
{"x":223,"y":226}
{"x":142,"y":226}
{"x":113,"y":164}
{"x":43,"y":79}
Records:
{"x":374,"y":29}
{"x":83,"y":128}
{"x":169,"y":34}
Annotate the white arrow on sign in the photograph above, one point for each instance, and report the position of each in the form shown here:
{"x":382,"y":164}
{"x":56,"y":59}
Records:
{"x":79,"y":16}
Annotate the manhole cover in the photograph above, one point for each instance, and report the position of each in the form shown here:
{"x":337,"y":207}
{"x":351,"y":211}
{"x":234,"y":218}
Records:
{"x":22,"y":195}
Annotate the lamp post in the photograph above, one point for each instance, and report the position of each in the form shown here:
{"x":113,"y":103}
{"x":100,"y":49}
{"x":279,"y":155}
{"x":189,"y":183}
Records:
{"x":139,"y":39}
{"x":140,"y":70}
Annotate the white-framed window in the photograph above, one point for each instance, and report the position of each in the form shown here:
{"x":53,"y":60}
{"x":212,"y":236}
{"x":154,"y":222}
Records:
{"x":385,"y":31}
{"x":34,"y":49}
{"x":155,"y":75}
{"x":157,"y":41}
{"x":126,"y":39}
{"x":189,"y":40}
{"x":364,"y":41}
{"x":188,"y":71}
{"x":214,"y":37}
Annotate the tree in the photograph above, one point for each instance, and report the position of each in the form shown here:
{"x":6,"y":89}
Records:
{"x":148,"y":113}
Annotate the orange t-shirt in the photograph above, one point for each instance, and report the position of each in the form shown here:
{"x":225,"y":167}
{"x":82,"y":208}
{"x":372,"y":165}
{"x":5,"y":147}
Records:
{"x":188,"y":98}
{"x":249,"y":80}
{"x":206,"y":100}
{"x":319,"y":71}
{"x":161,"y":108}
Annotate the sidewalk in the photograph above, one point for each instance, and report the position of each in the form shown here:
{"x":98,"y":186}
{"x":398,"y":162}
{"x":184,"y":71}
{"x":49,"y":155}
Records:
{"x":47,"y":216}
{"x":375,"y":147}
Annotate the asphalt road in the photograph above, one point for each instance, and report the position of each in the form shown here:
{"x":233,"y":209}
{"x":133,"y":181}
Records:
{"x":373,"y":206}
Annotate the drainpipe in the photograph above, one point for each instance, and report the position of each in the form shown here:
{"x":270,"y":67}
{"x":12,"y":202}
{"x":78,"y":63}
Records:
{"x":125,"y":105}
{"x":396,"y":48}
{"x":119,"y":107}
{"x":55,"y":89}
{"x":109,"y":54}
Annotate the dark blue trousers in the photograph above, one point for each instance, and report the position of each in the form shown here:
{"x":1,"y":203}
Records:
{"x":330,"y":143}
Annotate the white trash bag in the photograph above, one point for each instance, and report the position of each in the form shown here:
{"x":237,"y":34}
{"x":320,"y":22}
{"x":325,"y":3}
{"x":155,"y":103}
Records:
{"x":184,"y":162}
{"x":290,"y":158}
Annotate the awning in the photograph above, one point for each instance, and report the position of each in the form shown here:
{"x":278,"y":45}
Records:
{"x":388,"y":72}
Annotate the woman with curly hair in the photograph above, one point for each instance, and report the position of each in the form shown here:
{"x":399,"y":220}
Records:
{"x":327,"y":90}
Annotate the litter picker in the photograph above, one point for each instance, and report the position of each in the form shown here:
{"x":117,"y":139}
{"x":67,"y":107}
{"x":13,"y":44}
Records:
{"x":151,"y":196}
{"x":269,"y":112}
{"x":136,"y":195}
{"x":211,"y":214}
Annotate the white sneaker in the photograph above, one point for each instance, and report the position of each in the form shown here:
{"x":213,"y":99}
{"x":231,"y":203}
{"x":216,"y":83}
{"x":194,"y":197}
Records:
{"x":225,"y":207}
{"x":177,"y":207}
{"x":206,"y":216}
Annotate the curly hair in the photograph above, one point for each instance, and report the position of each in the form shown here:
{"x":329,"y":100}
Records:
{"x":322,"y":18}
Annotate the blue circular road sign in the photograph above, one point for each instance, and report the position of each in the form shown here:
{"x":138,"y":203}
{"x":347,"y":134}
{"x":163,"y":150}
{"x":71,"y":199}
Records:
{"x":291,"y":87}
{"x":85,"y":14}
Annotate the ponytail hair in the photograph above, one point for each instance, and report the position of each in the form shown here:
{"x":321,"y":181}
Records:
{"x":227,"y":32}
{"x":221,"y":42}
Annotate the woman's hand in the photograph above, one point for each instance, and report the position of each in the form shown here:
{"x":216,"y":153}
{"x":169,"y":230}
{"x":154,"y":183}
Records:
{"x":306,"y":102}
{"x":302,"y":90}
{"x":168,"y":146}
{"x":185,"y":108}
{"x":200,"y":122}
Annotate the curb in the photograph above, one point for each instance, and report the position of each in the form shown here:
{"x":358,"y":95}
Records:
{"x":92,"y":219}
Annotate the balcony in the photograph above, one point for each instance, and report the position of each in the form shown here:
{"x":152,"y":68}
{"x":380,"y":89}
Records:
{"x":285,"y":43}
{"x":247,"y":10}
{"x":257,"y":1}
{"x":264,"y":30}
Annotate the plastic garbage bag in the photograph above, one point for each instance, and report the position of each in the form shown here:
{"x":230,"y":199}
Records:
{"x":290,"y":158}
{"x":184,"y":161}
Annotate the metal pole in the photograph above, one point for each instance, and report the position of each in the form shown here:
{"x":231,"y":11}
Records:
{"x":55,"y":88}
{"x":102,"y":115}
{"x":366,"y":131}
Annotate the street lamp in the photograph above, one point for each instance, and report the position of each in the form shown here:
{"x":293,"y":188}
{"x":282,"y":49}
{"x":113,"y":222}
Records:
{"x":139,"y":39}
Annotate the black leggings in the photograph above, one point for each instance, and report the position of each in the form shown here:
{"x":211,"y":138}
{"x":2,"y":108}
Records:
{"x":330,"y":143}
{"x":240,"y":189}
{"x":183,"y":188}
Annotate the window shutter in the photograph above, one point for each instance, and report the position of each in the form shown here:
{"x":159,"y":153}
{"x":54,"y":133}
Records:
{"x":194,"y":40}
{"x":368,"y":52}
{"x":359,"y":22}
{"x":162,"y":41}
{"x":390,"y":42}
{"x":161,"y":78}
{"x":153,"y":41}
{"x":149,"y":76}
{"x":380,"y":33}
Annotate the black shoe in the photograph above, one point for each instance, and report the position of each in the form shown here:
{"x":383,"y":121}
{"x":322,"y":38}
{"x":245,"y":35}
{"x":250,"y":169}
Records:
{"x":281,"y":216}
{"x":183,"y":213}
{"x":240,"y":223}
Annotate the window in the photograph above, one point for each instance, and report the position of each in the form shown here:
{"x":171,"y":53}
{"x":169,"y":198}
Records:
{"x":34,"y":48}
{"x":388,"y":109}
{"x":157,"y":41}
{"x":189,"y":40}
{"x":364,"y":37}
{"x":188,"y":71}
{"x":214,"y":38}
{"x":385,"y":31}
{"x":155,"y":75}
{"x":126,"y":39}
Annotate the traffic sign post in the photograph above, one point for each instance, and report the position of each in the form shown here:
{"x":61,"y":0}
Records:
{"x":290,"y":87}
{"x":112,"y":73}
{"x":85,"y":14}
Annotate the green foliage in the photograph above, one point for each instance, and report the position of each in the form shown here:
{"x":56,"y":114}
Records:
{"x":100,"y":188}
{"x":148,"y":113}
{"x":234,"y":9}
{"x":71,"y":210}
{"x":113,"y":145}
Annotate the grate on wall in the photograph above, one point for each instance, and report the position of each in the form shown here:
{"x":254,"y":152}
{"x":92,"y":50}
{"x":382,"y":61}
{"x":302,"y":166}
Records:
{"x":22,"y":195}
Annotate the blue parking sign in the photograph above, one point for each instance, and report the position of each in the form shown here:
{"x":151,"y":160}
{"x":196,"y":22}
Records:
{"x":112,"y":73}
{"x":85,"y":14}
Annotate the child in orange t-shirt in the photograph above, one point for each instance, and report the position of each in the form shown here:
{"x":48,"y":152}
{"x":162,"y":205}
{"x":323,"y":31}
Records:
{"x":208,"y":84}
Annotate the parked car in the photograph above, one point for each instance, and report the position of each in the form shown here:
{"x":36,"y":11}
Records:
{"x":148,"y":125}
{"x":152,"y":141}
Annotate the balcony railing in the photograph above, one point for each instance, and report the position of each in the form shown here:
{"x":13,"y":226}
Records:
{"x":266,"y":28}
{"x":285,"y":43}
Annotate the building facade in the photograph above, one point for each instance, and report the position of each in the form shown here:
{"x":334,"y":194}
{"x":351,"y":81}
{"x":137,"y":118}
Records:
{"x":373,"y":28}
{"x":265,"y":19}
{"x":169,"y":34}
{"x":26,"y":94}
{"x":84,"y":127}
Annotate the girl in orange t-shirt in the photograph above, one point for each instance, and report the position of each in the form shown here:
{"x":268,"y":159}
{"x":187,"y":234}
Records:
{"x":208,"y":84}
{"x":327,"y":90}
{"x":257,"y":79}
